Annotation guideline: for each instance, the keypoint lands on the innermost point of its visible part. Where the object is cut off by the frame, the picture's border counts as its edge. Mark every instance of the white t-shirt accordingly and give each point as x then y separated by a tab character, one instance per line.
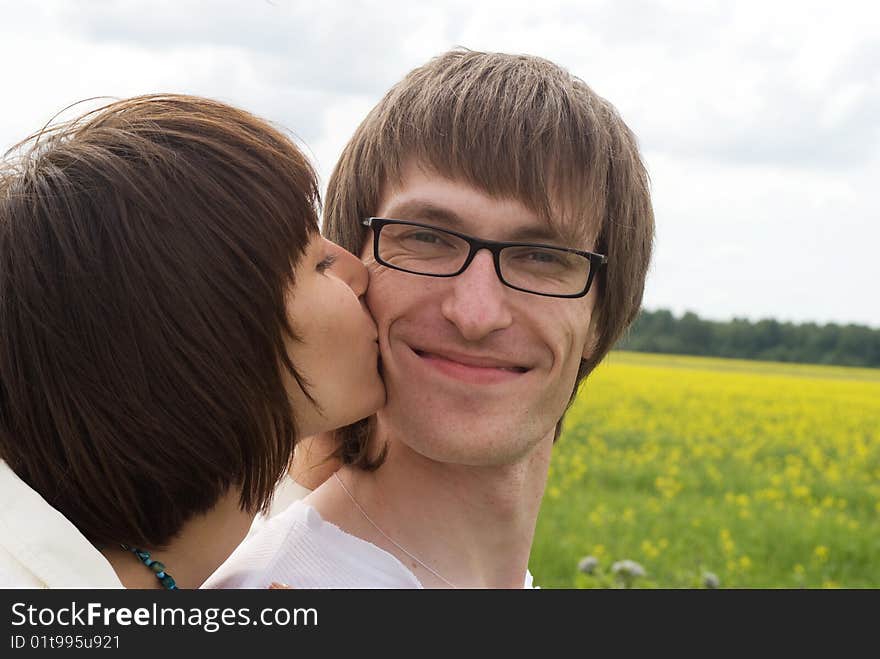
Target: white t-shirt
287	491
299	549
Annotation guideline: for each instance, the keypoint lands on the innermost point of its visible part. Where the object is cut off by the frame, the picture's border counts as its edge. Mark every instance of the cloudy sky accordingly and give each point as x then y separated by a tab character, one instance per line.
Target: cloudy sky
759	121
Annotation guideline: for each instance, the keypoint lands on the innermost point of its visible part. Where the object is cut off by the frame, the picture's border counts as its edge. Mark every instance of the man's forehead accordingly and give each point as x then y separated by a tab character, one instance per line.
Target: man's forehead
521	223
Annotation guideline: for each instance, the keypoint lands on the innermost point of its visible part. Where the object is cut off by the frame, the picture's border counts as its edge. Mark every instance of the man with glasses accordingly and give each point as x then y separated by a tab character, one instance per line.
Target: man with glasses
503	211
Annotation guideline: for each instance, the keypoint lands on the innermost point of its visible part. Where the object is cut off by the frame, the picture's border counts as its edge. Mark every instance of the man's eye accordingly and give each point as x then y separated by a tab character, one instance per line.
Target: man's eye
542	257
325	263
426	237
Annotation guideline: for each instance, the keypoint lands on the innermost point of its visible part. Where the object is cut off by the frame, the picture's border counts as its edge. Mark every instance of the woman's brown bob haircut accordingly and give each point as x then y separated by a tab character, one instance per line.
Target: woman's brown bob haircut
145	252
514	126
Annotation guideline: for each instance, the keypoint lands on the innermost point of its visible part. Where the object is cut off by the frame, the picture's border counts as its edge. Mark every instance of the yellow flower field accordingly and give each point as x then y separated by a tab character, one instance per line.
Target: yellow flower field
711	472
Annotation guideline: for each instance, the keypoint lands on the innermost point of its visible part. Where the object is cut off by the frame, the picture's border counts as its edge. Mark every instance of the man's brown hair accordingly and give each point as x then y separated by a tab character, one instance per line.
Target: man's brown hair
146	249
514	126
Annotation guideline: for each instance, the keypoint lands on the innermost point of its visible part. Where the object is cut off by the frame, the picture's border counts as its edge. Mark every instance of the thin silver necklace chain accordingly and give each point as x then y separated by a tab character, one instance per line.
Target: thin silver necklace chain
389	538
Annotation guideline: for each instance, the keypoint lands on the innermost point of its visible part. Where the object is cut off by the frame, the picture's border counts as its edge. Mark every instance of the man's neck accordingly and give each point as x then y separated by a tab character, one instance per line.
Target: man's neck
202	545
474	526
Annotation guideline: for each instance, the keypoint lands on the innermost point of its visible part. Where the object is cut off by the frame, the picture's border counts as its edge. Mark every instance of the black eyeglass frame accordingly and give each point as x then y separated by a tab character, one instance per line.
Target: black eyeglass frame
475	245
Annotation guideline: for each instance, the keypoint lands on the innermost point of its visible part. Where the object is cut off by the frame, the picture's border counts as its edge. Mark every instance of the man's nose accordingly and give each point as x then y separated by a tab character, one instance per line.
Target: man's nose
477	301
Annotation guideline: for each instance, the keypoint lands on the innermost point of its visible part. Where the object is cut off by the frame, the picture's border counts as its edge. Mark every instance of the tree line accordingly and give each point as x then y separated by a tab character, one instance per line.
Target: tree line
842	345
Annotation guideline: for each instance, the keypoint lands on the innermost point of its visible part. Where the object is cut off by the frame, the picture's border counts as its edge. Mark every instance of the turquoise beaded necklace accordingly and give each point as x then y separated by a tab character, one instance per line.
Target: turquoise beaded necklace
158	568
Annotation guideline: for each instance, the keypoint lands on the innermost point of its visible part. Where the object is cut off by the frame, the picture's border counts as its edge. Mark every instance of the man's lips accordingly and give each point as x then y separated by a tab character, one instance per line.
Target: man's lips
473	362
471	368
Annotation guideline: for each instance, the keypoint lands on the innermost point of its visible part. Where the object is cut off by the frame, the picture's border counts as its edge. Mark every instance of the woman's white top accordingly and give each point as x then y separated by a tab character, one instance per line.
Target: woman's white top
40	548
299	549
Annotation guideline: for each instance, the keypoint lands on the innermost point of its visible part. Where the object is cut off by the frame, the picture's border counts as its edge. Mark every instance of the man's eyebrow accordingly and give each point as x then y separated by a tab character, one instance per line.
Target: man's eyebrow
539	234
424	211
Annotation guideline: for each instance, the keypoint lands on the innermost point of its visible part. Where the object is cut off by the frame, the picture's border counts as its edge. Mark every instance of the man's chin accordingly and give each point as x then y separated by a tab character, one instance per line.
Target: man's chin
471	441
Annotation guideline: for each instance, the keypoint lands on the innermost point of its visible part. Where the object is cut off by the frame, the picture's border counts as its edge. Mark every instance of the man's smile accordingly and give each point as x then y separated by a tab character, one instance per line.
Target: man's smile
470	368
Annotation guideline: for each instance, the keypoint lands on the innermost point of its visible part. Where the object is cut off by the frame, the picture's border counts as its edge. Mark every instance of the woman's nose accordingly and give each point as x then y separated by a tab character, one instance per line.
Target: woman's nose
351	270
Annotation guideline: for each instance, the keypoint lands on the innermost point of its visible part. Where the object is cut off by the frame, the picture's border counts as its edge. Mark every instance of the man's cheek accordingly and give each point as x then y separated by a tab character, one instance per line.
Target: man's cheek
379	274
367	250
386	301
374	270
572	344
